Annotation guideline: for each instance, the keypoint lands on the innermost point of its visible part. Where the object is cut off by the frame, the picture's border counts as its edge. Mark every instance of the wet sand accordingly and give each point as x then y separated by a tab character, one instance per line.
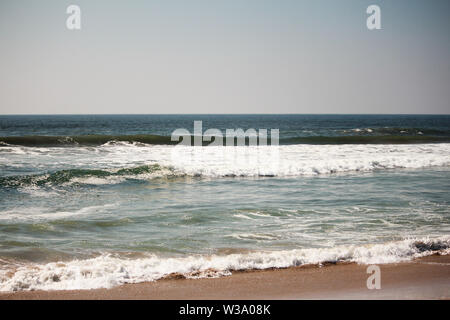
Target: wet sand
426	278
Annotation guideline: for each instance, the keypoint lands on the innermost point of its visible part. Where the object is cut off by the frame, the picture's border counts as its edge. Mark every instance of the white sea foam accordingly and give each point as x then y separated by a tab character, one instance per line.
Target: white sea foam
107	270
242	216
299	160
281	161
254	236
40	213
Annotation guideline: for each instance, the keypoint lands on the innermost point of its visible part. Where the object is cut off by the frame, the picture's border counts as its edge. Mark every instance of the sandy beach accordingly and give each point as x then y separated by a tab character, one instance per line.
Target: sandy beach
425	278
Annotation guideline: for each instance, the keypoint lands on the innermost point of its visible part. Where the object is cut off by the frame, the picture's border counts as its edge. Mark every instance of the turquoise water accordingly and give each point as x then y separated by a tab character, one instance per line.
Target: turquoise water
87	215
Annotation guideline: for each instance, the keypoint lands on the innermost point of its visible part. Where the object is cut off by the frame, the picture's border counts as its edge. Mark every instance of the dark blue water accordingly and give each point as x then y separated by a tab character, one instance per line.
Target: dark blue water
289	125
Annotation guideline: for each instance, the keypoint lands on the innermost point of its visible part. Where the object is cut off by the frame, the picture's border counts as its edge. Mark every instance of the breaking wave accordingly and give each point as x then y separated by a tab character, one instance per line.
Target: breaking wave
216	162
109	270
86	176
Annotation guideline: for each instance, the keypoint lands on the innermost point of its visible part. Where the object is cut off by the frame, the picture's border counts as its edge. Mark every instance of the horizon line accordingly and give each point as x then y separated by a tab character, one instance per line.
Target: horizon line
218	114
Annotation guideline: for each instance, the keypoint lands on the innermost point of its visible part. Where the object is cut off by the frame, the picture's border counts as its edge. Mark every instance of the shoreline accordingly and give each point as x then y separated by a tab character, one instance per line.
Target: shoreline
423	278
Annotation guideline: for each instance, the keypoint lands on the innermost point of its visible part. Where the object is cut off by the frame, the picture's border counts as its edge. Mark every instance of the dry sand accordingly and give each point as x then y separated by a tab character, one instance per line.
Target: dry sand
426	278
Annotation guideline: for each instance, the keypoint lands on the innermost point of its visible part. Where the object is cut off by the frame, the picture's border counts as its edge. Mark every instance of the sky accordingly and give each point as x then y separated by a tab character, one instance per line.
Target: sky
227	56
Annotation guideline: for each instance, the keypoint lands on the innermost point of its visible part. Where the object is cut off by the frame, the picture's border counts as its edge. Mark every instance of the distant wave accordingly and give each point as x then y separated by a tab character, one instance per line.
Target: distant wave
96	140
397	131
109	270
366	139
84	140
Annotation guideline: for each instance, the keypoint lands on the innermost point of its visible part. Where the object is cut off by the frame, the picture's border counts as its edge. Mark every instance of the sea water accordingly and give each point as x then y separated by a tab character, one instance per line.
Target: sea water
91	201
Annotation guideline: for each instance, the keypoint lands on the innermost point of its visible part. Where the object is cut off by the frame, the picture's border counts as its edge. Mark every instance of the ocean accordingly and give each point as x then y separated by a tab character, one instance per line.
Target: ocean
95	201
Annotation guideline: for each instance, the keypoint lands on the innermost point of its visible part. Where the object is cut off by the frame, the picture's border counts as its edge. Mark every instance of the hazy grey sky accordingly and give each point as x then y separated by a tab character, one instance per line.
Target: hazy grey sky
228	56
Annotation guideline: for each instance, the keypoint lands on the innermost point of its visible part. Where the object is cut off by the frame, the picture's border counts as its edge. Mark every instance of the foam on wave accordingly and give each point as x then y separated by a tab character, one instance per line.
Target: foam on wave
108	270
214	162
